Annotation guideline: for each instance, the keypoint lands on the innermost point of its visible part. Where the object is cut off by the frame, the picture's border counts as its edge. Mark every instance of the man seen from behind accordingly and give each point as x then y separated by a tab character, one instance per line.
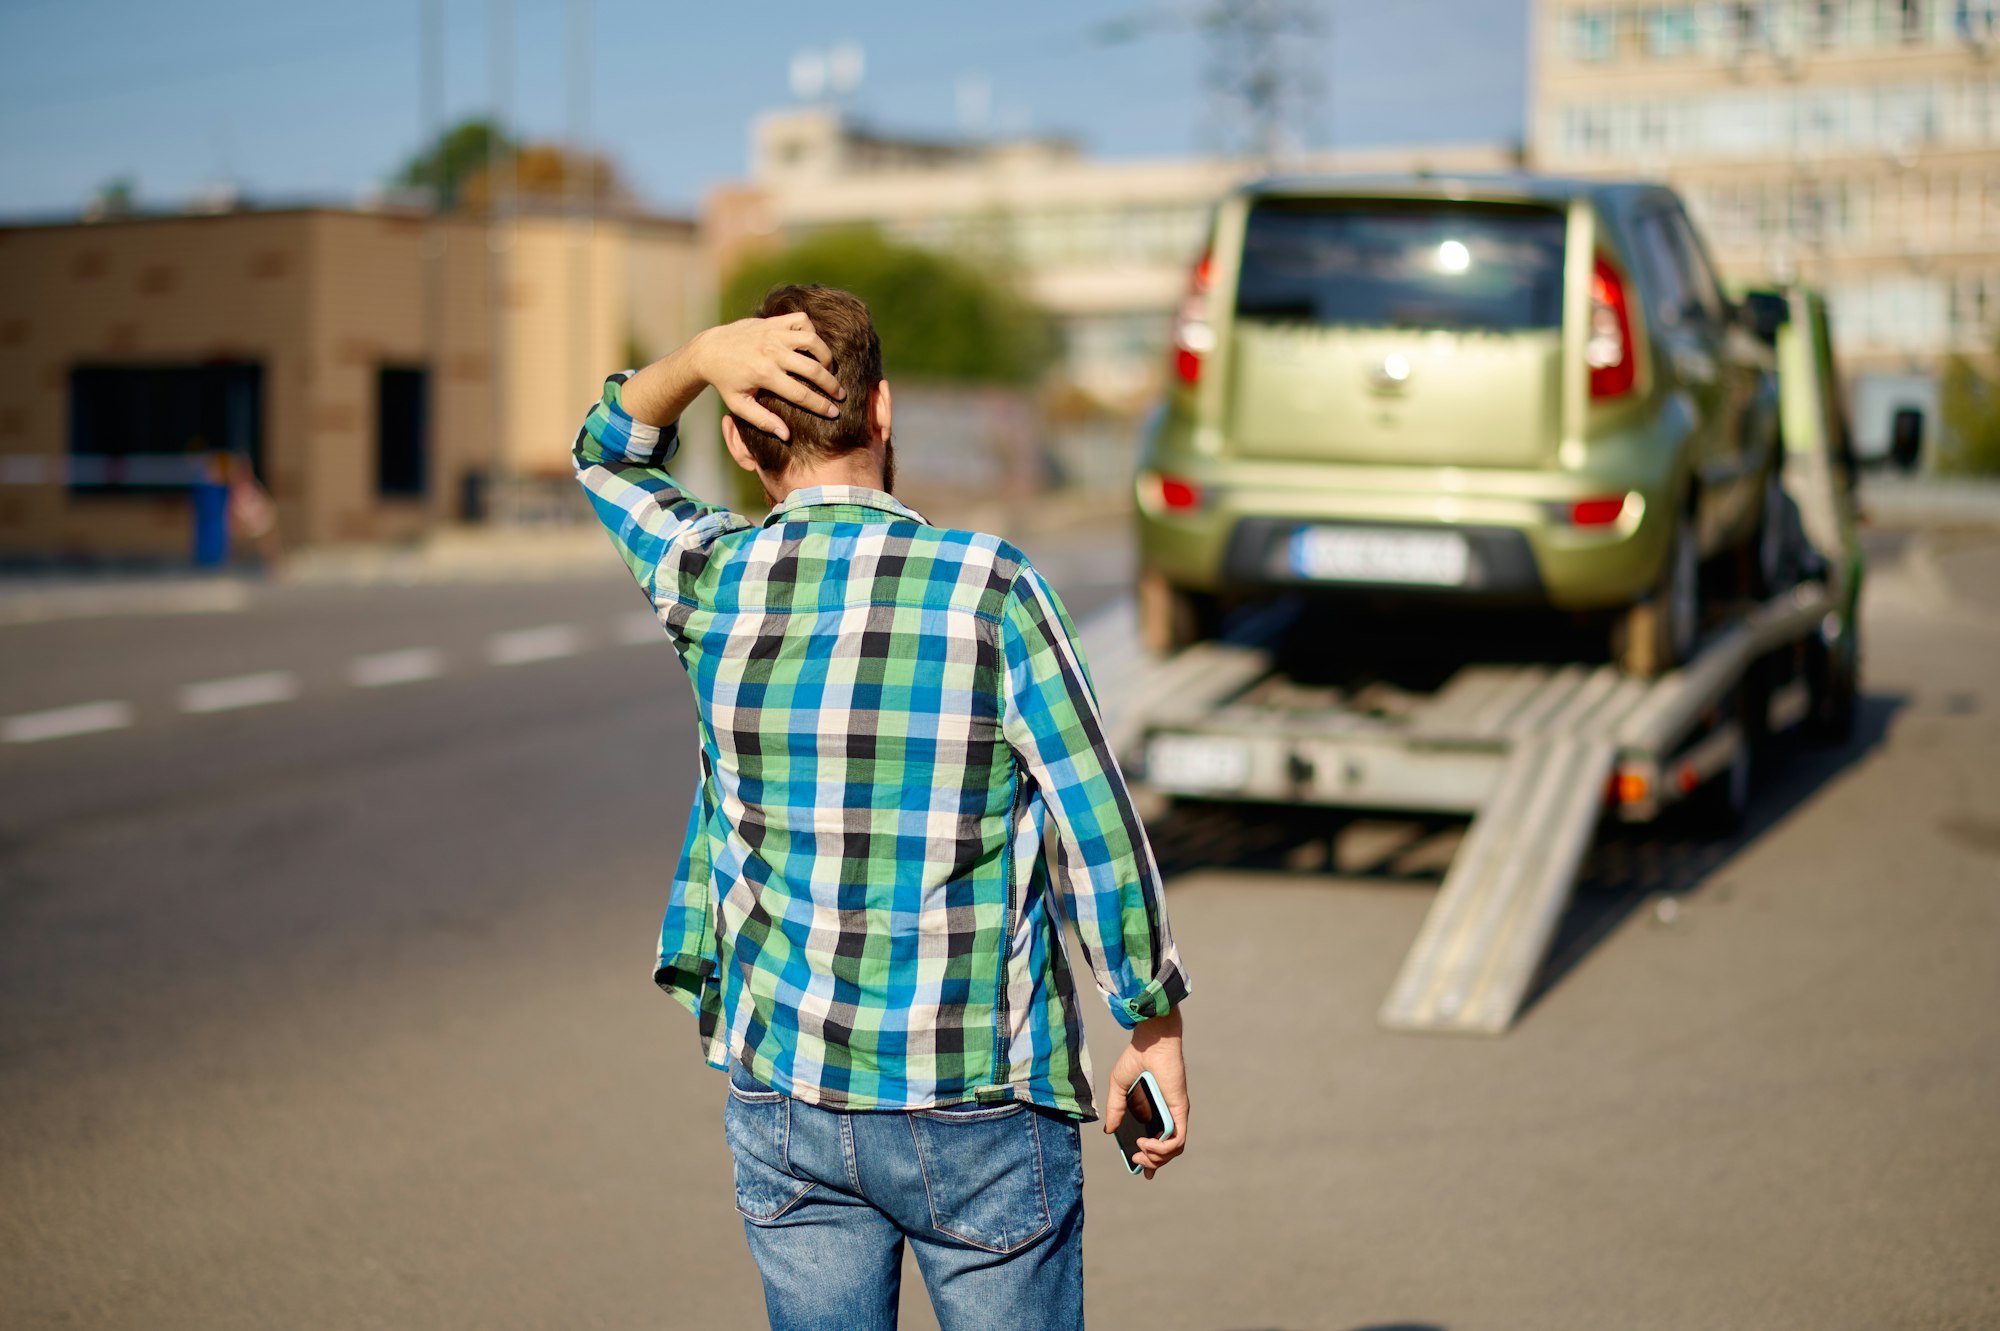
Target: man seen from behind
905	793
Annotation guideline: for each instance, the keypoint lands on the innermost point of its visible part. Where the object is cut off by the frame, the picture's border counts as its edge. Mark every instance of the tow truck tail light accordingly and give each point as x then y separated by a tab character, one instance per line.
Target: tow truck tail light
1194	338
1608	349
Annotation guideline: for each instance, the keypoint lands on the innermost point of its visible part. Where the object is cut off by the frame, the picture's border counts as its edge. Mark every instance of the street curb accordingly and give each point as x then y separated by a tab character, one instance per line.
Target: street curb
480	555
1923	501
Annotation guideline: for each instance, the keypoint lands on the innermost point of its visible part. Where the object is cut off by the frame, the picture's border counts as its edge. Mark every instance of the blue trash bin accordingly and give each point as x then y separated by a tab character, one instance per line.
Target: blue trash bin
211	514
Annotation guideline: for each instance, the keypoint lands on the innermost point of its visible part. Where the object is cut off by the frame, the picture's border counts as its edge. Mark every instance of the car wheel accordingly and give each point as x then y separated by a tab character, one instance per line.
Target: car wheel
1171	618
1659	632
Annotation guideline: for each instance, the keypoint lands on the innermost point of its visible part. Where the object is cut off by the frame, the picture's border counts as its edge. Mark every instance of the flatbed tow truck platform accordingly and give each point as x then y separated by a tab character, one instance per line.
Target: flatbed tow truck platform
1535	754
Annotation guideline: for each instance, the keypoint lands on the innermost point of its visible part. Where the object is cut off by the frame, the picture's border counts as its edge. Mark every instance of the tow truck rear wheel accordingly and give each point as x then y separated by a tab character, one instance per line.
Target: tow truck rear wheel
1658	633
1771	560
1720	806
1833	674
1171	617
1718	810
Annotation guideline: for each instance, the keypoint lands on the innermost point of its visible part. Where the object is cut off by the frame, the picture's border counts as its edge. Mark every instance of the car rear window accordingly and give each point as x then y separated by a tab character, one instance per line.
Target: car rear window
1394	264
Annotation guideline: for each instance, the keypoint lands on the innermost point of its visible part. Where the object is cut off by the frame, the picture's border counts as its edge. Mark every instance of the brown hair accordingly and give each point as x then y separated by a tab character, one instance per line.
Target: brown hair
841	319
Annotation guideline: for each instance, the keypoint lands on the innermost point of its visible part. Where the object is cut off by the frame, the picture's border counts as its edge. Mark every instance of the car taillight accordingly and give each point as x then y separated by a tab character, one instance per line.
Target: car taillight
1187	365
1193	337
1597	512
1172	494
1608	349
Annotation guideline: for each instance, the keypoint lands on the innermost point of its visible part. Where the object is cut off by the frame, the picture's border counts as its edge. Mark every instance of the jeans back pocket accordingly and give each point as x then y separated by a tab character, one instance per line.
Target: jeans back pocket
983	1174
757	1122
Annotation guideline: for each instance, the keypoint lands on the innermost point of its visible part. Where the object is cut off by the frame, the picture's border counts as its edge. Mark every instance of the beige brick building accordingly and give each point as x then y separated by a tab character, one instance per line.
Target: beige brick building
1853	144
368	363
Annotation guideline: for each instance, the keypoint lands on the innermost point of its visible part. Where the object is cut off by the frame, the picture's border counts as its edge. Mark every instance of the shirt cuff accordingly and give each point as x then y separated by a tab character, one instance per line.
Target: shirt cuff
639	444
1157	999
684	977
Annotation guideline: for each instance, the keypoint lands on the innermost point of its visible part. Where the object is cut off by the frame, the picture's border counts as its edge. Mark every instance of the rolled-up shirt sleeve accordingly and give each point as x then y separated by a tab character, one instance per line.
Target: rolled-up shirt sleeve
1105	870
622	465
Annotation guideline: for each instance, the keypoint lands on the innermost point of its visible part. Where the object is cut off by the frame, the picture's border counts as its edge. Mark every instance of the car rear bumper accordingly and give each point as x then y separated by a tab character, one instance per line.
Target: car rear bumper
1500	566
1523	549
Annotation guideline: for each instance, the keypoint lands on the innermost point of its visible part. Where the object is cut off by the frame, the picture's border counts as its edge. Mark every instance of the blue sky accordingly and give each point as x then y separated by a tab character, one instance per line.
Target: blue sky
295	101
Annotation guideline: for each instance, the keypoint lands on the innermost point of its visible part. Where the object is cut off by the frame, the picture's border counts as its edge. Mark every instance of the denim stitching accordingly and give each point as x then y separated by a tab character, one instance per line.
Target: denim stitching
847	1152
1042	1177
784	1156
984	1114
765	1220
923	1166
755	1097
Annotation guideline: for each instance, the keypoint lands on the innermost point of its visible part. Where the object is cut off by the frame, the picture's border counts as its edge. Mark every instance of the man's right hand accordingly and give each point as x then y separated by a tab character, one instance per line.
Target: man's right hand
1155	1048
781	355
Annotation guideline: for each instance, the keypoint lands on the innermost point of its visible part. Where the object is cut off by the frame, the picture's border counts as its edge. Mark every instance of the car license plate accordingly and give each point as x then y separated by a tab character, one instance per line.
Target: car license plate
1197	762
1370	554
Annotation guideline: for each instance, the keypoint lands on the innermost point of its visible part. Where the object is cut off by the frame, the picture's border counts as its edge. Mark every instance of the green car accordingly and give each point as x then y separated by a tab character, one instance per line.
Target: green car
1503	391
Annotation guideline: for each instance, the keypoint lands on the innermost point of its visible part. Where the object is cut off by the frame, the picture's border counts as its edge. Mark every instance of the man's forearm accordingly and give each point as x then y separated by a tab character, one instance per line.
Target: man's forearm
659	393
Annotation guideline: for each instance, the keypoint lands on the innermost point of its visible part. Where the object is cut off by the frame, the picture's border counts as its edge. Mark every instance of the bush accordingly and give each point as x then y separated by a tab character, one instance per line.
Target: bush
939	318
1971	411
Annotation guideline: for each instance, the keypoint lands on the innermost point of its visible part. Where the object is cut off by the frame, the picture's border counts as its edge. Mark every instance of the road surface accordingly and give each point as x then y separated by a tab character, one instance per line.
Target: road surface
325	949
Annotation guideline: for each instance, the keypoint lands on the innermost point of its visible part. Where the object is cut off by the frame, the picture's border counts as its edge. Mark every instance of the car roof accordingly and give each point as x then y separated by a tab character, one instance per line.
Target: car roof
1507	187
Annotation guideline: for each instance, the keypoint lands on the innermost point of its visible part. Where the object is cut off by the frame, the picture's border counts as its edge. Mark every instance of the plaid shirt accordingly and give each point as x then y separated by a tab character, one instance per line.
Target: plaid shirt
892	715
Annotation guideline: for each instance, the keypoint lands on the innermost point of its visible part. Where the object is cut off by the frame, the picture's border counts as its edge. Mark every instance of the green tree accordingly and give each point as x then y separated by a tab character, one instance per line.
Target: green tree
460	153
939	317
1971	411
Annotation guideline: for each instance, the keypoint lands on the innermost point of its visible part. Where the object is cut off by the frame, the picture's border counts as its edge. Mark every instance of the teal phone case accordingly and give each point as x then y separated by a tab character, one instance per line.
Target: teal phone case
1166	1128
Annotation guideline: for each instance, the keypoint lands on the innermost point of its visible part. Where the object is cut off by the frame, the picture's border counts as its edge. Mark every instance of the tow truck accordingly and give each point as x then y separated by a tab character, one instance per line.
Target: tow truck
1536	754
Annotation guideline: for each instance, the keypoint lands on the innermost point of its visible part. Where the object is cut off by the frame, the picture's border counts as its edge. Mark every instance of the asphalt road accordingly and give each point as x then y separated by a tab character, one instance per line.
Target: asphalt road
330	1007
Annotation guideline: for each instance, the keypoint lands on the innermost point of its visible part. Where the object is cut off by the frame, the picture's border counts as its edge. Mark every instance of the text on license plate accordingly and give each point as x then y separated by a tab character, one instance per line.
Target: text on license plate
1365	554
1197	763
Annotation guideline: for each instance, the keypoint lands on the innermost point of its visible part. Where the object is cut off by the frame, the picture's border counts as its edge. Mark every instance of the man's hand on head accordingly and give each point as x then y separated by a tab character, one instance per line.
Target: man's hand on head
780	355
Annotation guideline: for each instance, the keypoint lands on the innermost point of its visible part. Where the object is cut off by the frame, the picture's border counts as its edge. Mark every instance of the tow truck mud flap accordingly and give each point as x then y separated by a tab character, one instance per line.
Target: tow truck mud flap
1492	922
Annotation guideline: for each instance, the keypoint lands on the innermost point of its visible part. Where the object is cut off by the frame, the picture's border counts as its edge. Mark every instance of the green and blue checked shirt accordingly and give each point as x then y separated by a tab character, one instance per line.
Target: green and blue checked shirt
905	792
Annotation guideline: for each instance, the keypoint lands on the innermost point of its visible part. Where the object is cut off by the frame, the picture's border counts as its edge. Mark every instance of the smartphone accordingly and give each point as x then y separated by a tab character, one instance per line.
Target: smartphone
1146	1115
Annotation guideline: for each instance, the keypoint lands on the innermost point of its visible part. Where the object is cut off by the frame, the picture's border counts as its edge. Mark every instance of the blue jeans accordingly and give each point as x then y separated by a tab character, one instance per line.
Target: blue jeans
990	1198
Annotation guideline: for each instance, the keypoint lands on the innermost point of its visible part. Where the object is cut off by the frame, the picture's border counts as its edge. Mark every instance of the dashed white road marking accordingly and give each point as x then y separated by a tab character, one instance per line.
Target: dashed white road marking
398	667
375	670
538	644
638	629
223	695
84	718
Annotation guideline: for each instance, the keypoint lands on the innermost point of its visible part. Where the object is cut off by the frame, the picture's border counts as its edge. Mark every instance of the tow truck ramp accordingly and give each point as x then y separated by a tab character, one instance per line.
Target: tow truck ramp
1534	753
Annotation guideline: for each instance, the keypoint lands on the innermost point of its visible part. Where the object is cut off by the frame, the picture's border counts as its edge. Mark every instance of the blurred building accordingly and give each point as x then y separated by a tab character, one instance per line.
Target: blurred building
1854	144
1105	246
381	371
